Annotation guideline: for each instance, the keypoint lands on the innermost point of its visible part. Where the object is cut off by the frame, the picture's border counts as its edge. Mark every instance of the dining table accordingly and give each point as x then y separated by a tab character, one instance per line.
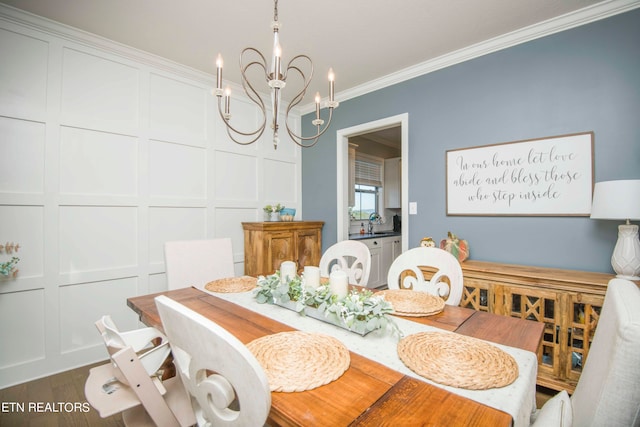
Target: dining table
376	389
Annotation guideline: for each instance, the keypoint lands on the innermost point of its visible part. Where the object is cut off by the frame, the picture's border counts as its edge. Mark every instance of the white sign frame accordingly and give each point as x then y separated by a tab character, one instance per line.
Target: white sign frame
551	176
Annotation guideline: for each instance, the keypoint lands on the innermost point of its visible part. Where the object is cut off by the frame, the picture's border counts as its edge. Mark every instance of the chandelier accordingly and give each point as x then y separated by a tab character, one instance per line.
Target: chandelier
276	79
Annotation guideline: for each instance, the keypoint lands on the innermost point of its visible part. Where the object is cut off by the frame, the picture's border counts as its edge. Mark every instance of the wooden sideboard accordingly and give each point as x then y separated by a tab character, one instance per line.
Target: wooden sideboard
267	244
568	302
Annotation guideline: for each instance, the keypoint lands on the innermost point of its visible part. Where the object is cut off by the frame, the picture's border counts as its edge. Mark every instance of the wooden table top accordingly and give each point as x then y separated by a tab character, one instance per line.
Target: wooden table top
368	393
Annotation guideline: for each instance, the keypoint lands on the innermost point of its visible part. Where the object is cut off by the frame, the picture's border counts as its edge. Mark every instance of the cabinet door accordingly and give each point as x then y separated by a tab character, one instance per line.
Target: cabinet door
582	319
392	181
279	246
308	248
397	248
386	258
375	277
475	295
538	306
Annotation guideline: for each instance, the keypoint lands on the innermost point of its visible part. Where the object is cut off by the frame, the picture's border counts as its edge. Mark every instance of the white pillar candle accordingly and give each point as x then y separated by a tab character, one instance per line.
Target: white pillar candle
311	276
287	271
339	283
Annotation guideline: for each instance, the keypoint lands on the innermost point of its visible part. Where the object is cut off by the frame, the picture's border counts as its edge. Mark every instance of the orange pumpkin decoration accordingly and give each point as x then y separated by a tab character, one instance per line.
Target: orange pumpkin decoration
457	247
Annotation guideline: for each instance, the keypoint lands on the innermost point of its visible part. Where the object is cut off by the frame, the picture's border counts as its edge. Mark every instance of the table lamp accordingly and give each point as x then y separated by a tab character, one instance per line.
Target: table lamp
621	200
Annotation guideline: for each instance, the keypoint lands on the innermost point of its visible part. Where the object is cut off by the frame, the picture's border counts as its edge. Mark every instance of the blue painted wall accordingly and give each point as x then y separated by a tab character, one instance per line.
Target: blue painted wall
583	79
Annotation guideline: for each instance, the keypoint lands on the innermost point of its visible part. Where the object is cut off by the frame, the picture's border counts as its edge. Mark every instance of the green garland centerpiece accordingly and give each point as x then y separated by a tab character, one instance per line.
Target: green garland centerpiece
361	311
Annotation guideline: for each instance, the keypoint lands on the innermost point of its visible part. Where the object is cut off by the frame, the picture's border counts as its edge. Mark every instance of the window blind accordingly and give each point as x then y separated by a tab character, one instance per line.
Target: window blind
368	171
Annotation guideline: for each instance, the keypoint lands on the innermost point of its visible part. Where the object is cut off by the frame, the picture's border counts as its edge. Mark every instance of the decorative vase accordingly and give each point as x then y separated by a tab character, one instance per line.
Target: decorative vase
274	216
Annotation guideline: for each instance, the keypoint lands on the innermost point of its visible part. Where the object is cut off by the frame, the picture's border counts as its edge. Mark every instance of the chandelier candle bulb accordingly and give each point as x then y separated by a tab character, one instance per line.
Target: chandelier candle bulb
277	54
311	276
287	271
219	72
332	78
317	105
227	101
339	283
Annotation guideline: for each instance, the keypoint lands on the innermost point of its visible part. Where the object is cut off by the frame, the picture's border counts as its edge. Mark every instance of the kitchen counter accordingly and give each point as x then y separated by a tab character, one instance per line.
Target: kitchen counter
376	235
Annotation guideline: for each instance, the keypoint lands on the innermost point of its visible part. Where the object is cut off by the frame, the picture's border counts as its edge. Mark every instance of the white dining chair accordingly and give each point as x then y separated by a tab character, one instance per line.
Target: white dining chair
446	282
350	256
227	384
608	391
197	262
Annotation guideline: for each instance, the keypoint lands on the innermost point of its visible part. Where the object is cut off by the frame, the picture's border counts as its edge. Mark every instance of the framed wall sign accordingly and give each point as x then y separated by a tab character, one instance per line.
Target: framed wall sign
548	176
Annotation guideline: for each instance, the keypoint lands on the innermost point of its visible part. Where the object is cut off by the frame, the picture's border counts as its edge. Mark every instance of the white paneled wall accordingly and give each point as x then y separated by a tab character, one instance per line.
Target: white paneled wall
105	154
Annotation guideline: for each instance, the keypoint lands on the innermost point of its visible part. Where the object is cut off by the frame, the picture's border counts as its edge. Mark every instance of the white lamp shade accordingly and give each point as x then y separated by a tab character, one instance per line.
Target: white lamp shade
616	200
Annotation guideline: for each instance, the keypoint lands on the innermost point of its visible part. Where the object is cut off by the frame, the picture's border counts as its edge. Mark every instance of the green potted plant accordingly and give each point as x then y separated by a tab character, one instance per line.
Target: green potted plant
272	212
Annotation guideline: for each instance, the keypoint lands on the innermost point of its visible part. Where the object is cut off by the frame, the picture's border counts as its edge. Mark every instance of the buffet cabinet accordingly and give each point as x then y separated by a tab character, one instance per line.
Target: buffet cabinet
568	302
268	244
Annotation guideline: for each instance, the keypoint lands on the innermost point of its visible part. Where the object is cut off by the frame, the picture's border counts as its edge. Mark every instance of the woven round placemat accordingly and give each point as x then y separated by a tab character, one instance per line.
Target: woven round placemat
232	284
299	361
406	302
457	360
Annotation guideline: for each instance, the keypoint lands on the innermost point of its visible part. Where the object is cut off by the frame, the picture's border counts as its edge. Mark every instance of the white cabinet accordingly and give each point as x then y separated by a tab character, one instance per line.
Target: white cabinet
384	251
392	183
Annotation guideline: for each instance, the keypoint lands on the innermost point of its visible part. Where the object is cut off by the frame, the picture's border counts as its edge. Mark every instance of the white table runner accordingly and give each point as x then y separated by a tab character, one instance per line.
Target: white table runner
517	399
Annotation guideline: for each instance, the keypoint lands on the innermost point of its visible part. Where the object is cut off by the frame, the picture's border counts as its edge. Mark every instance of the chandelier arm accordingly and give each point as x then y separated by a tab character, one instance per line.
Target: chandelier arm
258	132
253	95
291	65
300	95
298	139
256	98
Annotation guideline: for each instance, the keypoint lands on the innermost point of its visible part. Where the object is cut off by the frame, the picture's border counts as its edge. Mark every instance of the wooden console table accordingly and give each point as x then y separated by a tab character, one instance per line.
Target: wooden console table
567	302
267	244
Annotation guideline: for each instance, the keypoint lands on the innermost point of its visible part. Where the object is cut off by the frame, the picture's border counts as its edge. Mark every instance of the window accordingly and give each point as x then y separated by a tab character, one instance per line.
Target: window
366	202
368	170
368	182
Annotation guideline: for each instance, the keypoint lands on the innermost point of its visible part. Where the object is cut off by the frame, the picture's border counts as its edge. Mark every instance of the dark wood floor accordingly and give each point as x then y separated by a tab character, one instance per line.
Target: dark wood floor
68	387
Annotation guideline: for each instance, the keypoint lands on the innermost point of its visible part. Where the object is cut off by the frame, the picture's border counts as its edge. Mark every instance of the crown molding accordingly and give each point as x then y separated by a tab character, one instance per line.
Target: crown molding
555	25
79	37
562	23
38	24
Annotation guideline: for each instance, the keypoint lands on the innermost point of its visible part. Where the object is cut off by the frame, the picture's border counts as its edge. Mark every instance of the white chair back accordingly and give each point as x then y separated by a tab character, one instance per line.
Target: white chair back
201	347
197	262
608	391
445	264
350	256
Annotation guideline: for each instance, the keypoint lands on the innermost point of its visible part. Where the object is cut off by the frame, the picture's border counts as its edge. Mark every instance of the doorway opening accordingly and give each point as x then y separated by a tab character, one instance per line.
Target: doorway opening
344	136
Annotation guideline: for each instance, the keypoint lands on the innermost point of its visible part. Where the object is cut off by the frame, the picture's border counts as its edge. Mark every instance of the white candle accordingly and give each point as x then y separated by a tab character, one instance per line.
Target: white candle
311	276
339	283
287	271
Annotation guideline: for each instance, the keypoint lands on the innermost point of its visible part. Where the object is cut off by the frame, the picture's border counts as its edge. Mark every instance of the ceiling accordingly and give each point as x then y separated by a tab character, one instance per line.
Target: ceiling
363	40
383	143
